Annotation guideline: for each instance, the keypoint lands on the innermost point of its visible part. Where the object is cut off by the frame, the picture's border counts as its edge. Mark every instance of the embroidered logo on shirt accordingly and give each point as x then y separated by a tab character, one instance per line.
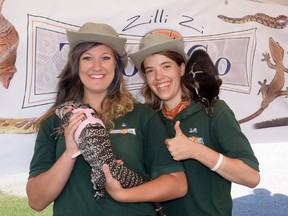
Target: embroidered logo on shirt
193	130
194	138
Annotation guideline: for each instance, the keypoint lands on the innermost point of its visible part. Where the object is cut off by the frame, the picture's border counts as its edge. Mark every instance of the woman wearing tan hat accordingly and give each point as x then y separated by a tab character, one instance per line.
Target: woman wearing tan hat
94	75
213	150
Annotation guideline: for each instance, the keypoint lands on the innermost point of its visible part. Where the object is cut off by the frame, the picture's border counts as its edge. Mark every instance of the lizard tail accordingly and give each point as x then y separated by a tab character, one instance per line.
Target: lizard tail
254	115
260	110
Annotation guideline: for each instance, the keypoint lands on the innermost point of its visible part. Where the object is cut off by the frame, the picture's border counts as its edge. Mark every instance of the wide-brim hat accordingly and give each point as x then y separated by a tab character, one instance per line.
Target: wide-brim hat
157	42
101	33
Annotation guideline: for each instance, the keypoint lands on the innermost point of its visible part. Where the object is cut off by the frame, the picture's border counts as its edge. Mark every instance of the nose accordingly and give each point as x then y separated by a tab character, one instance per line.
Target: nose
158	74
96	64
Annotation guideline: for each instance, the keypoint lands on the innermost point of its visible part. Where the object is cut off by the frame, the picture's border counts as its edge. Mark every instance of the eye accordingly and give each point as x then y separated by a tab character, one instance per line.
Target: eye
106	58
148	70
85	57
166	66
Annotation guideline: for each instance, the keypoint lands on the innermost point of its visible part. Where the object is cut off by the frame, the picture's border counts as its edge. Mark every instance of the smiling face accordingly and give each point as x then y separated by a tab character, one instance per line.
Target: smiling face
97	69
164	77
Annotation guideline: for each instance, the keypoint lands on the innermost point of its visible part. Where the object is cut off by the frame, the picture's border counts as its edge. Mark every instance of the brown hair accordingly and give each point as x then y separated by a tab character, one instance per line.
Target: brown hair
118	100
150	98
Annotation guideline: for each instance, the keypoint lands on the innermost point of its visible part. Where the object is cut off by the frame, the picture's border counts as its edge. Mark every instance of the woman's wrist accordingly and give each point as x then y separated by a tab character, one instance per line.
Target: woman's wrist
72	153
218	164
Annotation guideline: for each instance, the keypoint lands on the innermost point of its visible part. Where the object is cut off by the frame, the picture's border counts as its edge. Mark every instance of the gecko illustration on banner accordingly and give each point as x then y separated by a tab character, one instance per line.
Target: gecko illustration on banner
274	89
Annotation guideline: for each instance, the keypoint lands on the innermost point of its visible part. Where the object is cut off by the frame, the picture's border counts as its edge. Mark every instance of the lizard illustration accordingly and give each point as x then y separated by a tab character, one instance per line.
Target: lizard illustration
272	123
274	89
18	126
94	145
9	40
202	79
278	22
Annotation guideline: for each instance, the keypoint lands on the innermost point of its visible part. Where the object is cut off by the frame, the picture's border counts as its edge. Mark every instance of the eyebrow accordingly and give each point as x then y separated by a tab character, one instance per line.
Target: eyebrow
166	62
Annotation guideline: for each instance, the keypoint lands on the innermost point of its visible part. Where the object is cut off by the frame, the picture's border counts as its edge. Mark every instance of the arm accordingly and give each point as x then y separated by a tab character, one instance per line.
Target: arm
152	159
234	170
45	188
163	188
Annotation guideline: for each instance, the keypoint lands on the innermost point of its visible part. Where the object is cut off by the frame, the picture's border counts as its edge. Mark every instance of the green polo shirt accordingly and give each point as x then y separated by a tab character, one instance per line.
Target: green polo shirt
209	194
137	139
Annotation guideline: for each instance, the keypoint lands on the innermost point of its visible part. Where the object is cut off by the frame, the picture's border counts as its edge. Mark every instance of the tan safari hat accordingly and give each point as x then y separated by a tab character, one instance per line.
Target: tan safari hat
156	42
101	33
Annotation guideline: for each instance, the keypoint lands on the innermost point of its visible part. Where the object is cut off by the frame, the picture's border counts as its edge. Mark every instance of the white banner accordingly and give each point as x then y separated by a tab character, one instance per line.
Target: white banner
237	49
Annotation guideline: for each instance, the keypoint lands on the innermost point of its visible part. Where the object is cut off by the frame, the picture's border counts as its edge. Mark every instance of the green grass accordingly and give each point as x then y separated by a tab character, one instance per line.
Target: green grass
18	206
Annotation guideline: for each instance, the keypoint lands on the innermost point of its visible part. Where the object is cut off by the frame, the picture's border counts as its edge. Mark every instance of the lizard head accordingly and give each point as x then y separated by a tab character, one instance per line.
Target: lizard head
62	109
277	52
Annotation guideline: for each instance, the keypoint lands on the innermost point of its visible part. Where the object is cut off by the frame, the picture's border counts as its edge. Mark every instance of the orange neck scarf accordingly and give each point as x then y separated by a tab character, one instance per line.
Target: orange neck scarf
171	114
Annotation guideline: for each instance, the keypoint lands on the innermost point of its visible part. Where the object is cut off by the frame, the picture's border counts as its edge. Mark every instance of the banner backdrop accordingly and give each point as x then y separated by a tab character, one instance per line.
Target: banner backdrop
247	40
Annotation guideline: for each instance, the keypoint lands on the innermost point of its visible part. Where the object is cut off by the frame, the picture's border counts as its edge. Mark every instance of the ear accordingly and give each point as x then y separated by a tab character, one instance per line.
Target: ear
182	69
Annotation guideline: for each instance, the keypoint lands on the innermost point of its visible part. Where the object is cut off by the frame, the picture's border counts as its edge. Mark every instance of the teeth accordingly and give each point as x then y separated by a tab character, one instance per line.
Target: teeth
162	85
97	76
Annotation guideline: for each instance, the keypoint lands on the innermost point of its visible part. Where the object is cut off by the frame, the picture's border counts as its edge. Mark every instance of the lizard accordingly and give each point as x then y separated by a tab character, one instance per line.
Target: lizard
18	125
278	22
274	89
94	144
202	79
277	122
9	40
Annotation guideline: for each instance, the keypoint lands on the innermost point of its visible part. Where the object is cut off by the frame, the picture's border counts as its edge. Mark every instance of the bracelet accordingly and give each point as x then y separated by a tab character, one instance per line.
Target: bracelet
219	162
76	154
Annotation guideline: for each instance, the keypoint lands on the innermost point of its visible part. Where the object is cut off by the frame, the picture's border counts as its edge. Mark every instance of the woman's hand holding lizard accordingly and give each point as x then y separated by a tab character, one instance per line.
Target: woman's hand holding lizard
112	186
74	122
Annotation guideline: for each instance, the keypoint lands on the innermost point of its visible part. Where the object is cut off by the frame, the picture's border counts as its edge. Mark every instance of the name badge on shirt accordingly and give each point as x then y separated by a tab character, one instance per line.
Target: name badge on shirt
124	131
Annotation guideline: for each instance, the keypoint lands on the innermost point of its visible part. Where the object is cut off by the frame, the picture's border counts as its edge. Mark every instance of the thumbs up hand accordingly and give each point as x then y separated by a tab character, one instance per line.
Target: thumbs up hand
180	147
178	131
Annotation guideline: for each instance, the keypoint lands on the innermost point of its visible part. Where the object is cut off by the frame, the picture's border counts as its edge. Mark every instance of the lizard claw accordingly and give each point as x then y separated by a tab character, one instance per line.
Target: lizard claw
263	87
266	56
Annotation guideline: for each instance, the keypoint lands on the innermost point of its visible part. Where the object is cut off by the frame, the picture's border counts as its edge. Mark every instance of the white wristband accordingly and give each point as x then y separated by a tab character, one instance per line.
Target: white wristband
76	154
219	162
